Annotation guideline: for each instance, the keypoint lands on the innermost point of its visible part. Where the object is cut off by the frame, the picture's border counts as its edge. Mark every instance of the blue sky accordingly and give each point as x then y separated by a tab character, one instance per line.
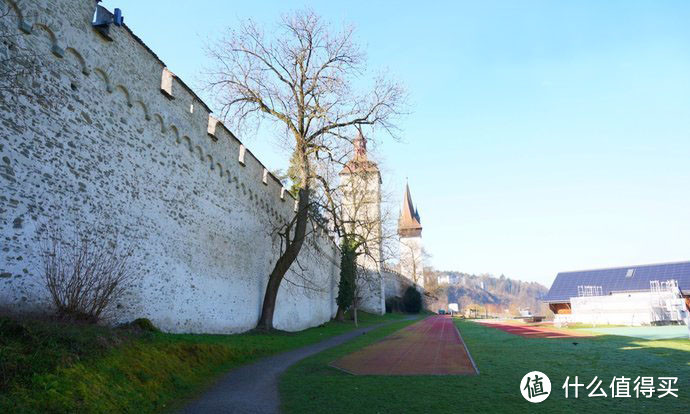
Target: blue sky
544	135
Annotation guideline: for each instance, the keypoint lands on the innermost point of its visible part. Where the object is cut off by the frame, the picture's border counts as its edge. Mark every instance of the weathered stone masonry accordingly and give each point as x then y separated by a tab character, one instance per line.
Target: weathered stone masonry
106	134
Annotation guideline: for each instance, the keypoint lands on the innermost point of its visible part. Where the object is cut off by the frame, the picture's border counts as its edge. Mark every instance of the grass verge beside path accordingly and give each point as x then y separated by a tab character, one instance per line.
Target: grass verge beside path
503	359
48	367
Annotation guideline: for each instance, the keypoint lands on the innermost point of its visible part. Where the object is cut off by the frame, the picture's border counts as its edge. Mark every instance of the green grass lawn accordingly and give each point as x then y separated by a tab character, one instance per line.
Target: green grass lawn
503	359
51	367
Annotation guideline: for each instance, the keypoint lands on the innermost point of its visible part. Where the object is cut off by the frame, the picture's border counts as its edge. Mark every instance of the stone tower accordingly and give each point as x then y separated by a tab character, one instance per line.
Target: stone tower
410	232
361	181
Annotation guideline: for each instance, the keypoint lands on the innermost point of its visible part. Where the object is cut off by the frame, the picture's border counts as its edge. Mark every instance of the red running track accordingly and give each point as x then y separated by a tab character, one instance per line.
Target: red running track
535	331
429	347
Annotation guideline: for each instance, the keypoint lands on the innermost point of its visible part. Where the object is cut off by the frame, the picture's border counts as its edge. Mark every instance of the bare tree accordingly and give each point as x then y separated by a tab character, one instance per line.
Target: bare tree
435	294
303	79
365	284
85	275
16	61
412	260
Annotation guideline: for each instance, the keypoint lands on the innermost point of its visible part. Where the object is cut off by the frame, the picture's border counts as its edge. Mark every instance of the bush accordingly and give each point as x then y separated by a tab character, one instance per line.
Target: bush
394	304
412	300
84	276
142	324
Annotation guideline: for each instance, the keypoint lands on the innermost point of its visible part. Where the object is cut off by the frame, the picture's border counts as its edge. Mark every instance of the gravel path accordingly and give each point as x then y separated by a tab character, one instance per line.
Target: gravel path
254	388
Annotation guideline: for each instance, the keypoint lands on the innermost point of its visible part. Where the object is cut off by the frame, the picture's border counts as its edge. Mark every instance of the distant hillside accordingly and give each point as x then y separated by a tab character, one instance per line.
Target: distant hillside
490	294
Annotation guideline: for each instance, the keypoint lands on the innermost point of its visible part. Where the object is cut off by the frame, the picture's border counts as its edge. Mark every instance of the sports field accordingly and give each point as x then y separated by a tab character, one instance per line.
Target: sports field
535	331
644	332
547	330
503	359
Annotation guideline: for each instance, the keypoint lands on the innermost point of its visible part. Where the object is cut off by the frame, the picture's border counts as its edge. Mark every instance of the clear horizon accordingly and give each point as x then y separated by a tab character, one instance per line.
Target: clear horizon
544	136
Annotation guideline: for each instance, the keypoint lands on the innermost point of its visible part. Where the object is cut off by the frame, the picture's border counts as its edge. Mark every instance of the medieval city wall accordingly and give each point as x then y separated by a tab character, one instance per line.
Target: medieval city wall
396	284
371	291
104	137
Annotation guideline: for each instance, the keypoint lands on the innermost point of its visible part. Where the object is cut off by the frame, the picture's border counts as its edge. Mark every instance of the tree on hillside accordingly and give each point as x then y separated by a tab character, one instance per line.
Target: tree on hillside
436	296
302	77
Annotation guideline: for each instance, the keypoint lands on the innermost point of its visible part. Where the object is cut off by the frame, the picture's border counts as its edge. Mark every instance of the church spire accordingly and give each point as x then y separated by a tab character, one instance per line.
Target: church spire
409	224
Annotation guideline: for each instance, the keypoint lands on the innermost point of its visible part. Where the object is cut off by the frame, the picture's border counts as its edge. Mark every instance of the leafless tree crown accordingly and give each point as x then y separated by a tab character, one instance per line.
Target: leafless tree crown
303	77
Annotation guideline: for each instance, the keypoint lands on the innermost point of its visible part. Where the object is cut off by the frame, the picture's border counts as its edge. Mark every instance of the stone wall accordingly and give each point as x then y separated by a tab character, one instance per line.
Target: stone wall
396	284
105	134
371	291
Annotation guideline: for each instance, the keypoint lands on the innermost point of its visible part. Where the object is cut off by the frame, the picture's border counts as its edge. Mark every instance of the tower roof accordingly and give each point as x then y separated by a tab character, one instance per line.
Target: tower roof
409	222
360	162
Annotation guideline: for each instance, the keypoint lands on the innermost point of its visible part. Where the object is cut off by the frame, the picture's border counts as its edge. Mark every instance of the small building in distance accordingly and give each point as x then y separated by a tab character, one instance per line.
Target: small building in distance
631	295
449	279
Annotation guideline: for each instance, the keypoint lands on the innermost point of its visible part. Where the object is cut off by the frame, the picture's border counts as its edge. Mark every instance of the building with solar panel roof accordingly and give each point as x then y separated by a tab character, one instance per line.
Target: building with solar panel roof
631	295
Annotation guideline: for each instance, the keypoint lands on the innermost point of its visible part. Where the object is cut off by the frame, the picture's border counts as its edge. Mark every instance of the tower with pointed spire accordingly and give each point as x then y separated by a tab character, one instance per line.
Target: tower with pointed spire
410	232
360	180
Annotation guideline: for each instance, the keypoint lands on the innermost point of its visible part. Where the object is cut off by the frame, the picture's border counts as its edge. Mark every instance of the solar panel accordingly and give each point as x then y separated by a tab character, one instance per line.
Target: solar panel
618	279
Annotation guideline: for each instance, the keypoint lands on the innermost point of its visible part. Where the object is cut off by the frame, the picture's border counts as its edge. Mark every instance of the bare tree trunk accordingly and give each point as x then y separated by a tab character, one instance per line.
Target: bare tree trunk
284	262
340	315
355	312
